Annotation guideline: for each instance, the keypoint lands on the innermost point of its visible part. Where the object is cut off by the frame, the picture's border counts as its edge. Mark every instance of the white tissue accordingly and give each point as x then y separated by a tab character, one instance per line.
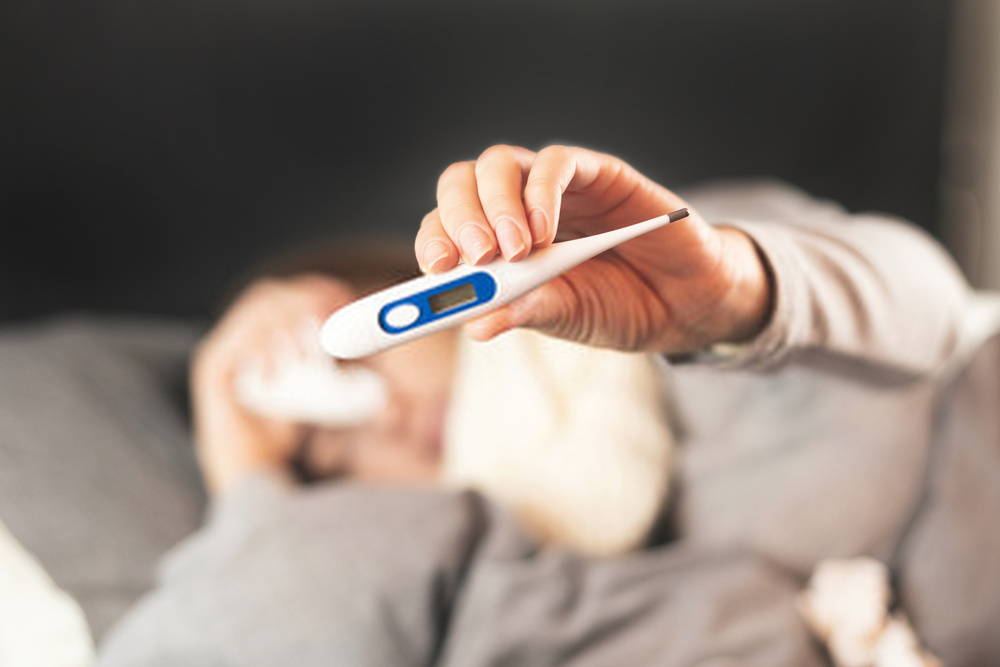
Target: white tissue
310	387
847	607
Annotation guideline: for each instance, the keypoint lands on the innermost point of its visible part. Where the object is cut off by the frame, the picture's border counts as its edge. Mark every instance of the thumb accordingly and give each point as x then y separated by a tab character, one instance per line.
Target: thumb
546	308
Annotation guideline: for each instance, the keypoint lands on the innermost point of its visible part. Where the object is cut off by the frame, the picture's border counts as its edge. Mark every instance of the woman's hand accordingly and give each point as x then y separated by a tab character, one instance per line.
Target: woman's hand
267	317
672	290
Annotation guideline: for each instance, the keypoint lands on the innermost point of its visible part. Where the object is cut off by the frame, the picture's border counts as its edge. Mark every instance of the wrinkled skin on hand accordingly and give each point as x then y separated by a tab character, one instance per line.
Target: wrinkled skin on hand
675	289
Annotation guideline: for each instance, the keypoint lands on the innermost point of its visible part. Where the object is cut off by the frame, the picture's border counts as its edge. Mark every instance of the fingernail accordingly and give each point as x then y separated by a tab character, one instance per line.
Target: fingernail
511	241
539	225
475	243
434	253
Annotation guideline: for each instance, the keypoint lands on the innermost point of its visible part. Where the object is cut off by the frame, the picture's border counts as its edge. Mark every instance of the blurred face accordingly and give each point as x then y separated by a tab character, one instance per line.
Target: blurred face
404	442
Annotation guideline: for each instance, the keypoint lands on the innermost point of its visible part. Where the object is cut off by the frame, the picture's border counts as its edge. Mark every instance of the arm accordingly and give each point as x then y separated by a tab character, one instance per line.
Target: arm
232	441
810	278
865	287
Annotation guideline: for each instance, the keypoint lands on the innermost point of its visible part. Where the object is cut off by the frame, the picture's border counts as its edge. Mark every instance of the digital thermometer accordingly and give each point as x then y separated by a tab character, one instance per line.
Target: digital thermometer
430	303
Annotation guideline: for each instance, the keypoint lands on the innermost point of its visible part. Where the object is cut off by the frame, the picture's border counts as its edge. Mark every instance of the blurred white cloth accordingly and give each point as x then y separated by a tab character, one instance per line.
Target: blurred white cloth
40	625
847	606
574	439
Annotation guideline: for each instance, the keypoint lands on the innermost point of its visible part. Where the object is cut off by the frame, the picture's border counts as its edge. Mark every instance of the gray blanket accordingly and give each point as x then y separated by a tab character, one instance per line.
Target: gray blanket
97	480
352	575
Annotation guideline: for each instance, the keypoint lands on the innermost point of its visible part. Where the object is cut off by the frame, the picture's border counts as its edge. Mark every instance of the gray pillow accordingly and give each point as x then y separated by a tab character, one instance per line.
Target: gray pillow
97	475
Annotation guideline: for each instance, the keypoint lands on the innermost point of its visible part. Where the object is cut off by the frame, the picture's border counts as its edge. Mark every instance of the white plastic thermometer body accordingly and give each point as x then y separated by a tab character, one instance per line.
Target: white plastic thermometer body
430	303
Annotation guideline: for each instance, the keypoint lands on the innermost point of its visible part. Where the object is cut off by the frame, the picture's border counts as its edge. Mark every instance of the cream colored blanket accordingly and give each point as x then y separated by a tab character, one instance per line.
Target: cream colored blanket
574	439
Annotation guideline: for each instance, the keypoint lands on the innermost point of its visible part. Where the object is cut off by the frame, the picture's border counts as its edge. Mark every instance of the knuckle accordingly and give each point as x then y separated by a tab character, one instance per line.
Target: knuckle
555	151
496	152
499	203
453	170
428	220
463	212
540	186
427	233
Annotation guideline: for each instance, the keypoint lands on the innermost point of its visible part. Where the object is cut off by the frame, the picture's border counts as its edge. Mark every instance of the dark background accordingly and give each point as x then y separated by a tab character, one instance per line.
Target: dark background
153	151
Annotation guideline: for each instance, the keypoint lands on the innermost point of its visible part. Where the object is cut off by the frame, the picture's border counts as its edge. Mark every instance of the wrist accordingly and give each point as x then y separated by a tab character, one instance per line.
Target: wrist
746	304
241	449
230	441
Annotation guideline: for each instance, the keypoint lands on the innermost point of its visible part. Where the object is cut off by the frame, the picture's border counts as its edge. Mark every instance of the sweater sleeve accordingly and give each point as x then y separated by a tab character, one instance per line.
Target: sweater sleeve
866	288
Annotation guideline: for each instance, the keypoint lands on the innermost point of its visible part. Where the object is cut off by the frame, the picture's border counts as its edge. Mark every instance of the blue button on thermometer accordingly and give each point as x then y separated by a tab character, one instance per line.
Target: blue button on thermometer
424	305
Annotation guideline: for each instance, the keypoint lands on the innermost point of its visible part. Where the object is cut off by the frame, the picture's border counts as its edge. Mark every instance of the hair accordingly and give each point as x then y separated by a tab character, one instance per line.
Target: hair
368	264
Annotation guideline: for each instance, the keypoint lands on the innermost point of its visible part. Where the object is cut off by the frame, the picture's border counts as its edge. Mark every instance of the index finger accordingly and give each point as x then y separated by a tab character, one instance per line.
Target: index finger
557	170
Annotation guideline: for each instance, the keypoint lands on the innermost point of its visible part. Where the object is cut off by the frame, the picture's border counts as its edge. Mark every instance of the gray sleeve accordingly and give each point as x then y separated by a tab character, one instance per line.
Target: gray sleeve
864	288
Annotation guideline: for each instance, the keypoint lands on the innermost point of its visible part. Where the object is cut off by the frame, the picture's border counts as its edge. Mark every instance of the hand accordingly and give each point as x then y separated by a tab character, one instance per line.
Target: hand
267	317
672	290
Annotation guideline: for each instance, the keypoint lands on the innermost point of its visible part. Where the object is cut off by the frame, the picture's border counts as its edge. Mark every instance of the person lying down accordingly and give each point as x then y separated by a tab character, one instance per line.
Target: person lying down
404	416
770	335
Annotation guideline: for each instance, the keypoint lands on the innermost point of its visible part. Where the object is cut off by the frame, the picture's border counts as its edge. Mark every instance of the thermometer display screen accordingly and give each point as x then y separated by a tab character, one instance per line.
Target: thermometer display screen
453	298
